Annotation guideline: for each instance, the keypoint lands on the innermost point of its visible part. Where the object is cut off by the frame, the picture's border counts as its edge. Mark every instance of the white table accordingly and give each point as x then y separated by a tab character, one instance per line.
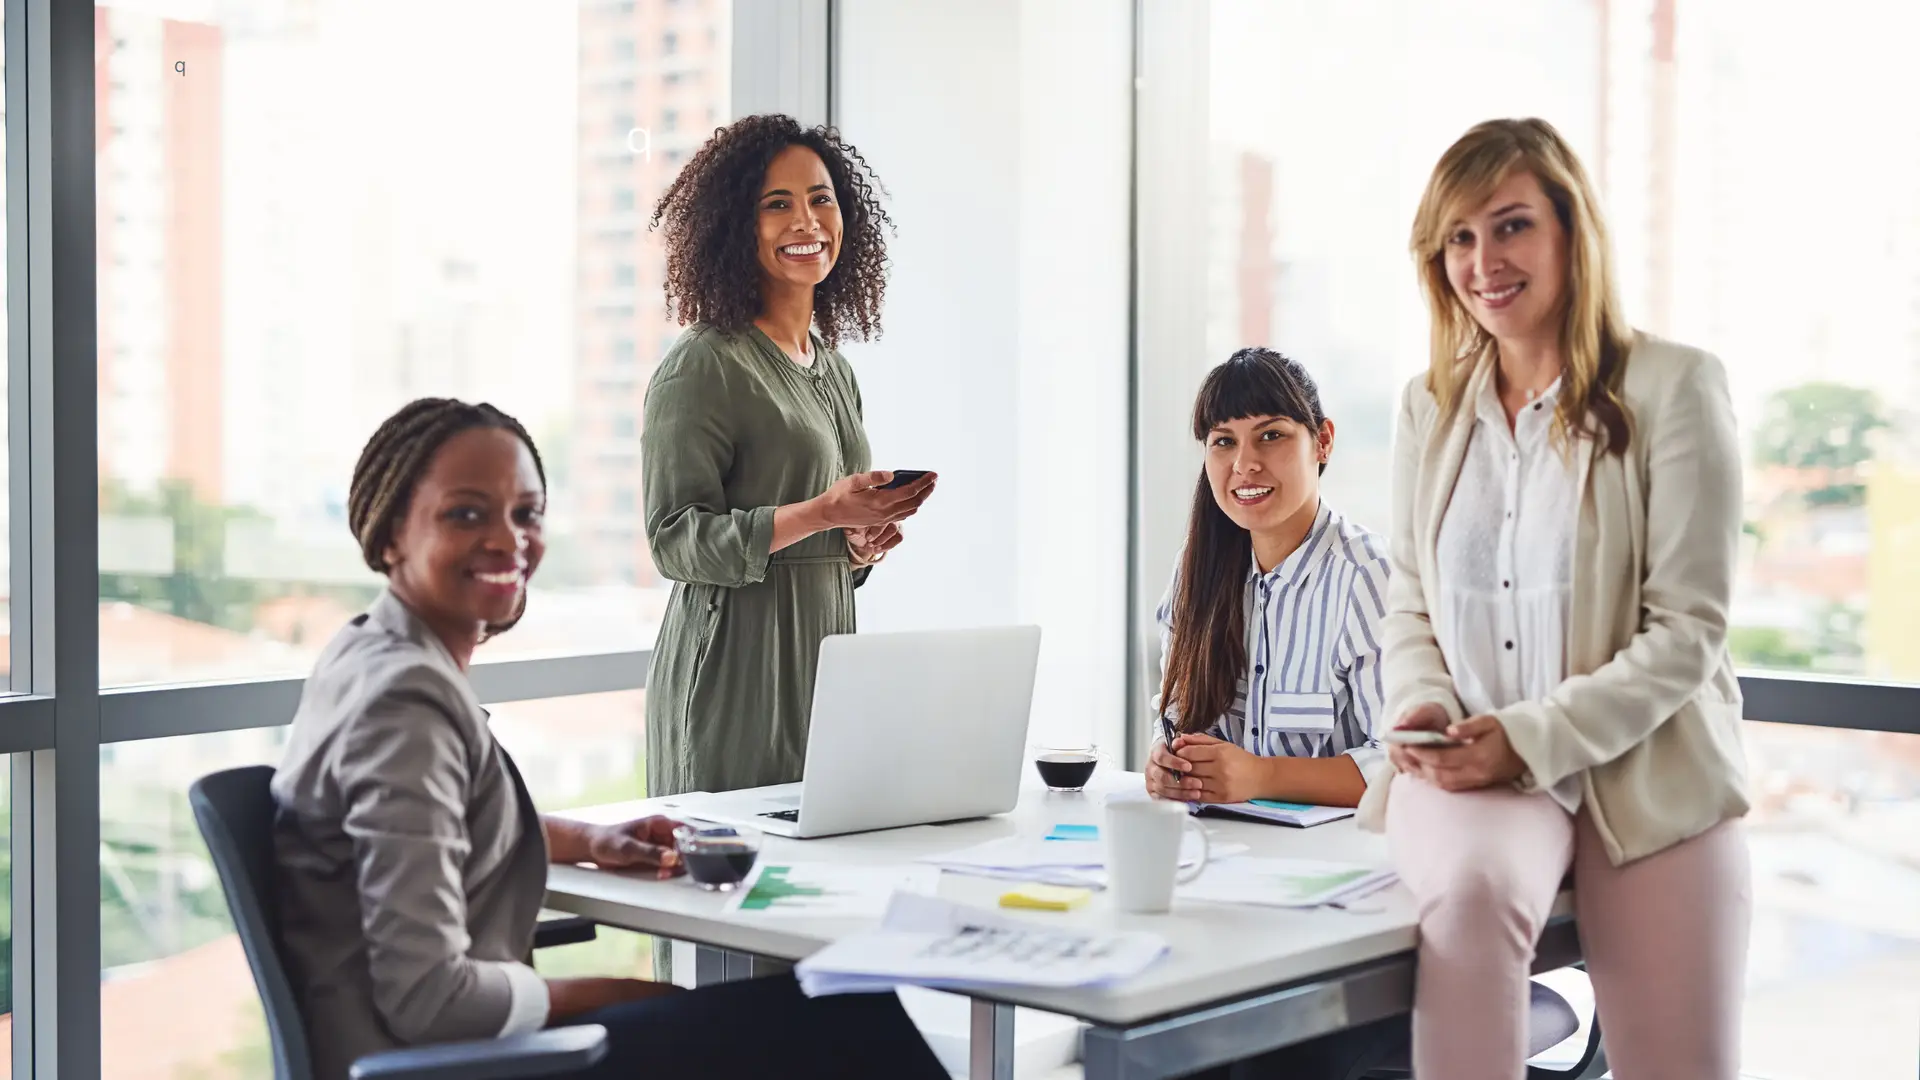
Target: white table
1238	981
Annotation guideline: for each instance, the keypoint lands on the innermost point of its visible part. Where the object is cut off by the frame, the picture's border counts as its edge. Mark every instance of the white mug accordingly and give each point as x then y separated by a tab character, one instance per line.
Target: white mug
1143	852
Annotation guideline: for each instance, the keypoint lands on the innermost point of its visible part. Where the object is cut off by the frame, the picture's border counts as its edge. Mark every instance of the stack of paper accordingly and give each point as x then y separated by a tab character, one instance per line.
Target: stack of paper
1285	882
1053	861
925	941
827	890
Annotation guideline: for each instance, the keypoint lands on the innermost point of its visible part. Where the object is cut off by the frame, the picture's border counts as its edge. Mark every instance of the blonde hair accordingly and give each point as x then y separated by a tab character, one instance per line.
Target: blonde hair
1594	336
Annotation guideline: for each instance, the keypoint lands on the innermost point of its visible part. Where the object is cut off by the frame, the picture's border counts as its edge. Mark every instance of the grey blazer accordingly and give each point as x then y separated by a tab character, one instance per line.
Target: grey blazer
410	861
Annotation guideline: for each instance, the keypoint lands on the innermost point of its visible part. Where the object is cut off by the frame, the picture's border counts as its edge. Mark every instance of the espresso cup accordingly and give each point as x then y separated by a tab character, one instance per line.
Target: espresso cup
1066	766
1143	853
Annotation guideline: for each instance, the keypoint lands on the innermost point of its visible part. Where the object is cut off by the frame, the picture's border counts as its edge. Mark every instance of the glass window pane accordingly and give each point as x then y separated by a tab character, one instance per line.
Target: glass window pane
165	934
283	261
576	751
583	751
165	931
1679	111
1833	981
6	916
6	487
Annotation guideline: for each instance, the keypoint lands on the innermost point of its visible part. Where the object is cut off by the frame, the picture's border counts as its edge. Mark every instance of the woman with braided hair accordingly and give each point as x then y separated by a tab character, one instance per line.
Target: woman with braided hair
410	862
754	463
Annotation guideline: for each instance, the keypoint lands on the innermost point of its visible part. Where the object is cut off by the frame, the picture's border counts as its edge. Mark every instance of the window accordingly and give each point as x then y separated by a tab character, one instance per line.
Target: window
622	351
1678	111
265	293
623	501
669	120
165	932
1695	99
669	43
230	417
6	919
623	426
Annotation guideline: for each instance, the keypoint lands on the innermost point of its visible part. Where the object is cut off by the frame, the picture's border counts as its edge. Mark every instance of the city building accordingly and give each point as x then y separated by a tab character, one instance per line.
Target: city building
159	142
653	84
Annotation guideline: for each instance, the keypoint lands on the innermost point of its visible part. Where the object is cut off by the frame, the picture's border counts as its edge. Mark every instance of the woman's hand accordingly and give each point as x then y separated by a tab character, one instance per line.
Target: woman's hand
859	501
1166	774
1487	758
1428	717
645	844
869	545
1218	771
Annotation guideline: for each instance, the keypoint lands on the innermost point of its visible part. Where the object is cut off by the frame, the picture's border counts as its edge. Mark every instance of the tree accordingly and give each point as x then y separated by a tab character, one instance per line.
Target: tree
1822	427
1819	425
198	588
1767	647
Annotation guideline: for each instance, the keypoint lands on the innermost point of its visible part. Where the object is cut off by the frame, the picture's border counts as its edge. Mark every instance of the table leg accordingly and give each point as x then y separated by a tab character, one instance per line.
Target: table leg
990	1048
714	965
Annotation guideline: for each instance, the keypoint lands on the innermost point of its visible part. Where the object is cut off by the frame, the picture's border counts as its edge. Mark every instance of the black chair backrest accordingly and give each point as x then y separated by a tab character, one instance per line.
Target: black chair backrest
235	810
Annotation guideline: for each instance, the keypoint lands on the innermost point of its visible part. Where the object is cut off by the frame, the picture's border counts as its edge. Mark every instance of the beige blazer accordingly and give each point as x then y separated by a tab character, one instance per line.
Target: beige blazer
1649	716
410	861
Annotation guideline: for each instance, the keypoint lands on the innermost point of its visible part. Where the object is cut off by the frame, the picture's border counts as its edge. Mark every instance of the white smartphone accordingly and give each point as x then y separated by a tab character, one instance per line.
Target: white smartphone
1419	737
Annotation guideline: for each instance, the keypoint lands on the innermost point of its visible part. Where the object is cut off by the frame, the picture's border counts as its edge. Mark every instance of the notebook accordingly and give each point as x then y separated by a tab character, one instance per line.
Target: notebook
1274	812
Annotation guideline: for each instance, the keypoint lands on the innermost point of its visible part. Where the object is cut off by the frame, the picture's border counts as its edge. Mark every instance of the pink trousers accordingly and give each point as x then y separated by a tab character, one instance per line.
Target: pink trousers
1665	937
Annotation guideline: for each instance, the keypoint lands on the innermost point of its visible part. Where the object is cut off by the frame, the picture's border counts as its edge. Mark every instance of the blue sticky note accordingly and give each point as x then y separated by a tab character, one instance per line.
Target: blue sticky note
1272	805
1074	832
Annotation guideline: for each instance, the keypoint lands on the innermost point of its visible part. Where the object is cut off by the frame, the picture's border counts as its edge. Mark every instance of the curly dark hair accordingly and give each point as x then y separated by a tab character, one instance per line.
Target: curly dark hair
710	209
393	461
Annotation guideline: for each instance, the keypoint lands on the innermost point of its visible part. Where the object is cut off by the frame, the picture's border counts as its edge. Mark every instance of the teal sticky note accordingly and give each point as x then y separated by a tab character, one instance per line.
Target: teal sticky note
1074	832
1272	805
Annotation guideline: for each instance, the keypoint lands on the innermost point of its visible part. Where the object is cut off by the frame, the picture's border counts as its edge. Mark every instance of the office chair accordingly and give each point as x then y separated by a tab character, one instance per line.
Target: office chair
1550	1022
235	811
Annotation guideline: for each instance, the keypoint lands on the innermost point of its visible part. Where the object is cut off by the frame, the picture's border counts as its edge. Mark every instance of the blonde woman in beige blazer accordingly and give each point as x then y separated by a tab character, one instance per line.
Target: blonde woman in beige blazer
1567	508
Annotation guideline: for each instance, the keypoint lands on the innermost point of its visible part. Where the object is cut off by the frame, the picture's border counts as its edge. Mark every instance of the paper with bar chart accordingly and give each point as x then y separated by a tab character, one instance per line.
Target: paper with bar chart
828	890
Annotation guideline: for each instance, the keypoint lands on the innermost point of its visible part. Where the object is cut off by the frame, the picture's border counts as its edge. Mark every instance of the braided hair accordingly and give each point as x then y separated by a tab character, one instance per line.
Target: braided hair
394	460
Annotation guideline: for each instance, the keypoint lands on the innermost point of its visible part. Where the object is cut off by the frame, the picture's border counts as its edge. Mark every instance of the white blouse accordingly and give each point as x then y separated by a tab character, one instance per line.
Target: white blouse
1506	553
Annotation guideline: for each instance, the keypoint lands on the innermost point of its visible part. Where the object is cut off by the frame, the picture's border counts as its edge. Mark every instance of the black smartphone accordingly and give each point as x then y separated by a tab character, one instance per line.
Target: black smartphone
903	477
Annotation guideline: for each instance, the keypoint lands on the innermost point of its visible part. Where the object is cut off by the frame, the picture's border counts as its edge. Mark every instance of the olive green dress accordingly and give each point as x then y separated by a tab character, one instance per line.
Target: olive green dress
733	430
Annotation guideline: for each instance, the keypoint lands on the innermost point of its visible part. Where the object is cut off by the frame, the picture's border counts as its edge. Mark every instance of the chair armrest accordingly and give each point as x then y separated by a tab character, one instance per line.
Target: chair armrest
517	1057
1592	1064
571	930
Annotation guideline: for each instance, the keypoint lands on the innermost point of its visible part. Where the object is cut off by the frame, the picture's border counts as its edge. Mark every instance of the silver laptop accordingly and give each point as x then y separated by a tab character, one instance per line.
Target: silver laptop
907	729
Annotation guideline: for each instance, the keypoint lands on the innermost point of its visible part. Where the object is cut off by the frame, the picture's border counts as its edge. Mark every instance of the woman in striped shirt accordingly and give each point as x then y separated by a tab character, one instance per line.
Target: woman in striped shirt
1269	633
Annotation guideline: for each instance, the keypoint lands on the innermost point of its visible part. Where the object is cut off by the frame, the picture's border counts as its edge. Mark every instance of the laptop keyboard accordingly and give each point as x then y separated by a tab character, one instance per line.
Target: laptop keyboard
783	815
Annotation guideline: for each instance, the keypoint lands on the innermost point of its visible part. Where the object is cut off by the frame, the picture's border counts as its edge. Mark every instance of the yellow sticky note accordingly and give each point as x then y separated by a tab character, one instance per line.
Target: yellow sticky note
1045	897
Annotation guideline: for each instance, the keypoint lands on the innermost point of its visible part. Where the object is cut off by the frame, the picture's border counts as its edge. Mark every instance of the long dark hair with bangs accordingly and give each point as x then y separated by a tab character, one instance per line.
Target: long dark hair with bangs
1208	652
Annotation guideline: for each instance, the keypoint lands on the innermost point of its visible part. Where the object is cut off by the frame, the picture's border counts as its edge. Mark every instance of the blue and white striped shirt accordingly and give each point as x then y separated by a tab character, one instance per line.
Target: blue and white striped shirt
1313	648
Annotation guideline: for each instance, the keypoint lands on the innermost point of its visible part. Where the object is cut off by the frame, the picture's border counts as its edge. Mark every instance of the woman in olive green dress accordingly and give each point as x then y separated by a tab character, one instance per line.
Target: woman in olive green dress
759	501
